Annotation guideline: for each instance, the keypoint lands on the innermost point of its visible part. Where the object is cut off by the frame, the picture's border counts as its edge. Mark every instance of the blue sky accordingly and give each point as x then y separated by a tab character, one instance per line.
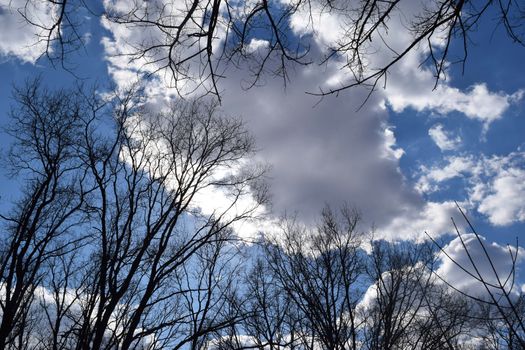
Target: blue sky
496	62
402	159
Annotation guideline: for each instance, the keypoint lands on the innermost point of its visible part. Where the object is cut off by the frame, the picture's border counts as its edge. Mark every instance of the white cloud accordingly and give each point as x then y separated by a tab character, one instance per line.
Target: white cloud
434	218
500	258
499	191
456	166
443	139
476	103
413	85
328	153
496	185
257	44
18	38
391	150
505	200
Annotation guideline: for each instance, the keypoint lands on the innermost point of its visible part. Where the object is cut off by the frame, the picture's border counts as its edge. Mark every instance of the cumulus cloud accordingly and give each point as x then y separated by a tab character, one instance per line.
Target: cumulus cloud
476	103
327	153
324	153
505	199
443	139
455	260
18	38
257	44
434	218
330	152
391	149
456	166
496	185
411	85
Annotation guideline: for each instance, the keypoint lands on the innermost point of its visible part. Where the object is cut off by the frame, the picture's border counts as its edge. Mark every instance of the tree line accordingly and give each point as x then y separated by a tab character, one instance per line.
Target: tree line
106	246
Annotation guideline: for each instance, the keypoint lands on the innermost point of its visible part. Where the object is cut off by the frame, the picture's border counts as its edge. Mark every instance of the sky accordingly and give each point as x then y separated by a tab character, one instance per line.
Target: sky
402	159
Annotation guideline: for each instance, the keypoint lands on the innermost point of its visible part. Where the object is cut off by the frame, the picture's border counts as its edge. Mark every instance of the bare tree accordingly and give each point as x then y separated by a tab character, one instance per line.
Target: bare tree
270	317
149	268
407	306
57	302
147	226
40	226
319	272
325	291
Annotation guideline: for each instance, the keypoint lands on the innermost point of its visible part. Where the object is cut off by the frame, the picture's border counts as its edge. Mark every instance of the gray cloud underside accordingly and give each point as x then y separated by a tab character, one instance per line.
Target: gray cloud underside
324	153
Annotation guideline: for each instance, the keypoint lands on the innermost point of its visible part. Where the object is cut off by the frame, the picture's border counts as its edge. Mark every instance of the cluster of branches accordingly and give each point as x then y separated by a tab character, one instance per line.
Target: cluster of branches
190	40
106	248
320	289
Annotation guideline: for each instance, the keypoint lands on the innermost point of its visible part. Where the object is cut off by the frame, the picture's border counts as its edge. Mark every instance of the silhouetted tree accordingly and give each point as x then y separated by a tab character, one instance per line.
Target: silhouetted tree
148	267
41	226
319	272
